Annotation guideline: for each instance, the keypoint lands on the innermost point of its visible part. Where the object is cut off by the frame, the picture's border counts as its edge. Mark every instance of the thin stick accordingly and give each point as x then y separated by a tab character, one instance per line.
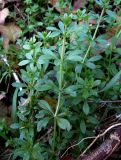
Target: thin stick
100	135
77	144
96	137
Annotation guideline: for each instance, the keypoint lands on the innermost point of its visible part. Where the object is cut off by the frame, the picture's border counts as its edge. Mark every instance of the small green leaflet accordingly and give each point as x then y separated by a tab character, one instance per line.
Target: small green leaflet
24	62
27	47
43	104
49	53
111	14
61	26
83	126
63	123
86	108
15	126
42	124
17	84
95	58
90	65
112	82
14	105
74	58
43	87
52	28
54	34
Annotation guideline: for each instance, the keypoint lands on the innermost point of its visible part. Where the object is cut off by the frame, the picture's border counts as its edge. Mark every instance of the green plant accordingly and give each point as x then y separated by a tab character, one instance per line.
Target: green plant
63	80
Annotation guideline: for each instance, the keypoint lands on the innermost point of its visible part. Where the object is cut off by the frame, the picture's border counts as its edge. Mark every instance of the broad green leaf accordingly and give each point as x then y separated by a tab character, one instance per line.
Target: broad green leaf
83	126
43	104
112	82
63	123
86	108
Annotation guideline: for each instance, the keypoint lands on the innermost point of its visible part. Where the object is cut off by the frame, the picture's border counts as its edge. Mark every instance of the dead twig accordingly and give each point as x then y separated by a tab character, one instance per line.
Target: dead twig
94	137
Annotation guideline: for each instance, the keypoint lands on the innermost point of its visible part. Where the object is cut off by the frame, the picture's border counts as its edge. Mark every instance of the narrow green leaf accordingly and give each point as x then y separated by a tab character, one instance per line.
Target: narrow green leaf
17	84
92	120
90	65
95	58
111	14
52	28
86	108
54	34
43	87
74	58
112	82
61	26
24	62
96	83
14	105
83	126
15	126
26	46
48	52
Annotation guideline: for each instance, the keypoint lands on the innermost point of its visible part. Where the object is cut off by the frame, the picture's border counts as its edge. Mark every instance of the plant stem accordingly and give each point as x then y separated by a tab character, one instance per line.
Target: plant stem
60	88
61	77
87	52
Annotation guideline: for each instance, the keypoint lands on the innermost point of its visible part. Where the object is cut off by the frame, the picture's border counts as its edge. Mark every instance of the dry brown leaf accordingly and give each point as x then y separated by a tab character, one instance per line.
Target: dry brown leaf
10	33
78	4
3	14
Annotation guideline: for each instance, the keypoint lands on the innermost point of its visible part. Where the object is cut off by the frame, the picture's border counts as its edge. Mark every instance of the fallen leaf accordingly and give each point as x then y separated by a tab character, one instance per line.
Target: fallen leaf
78	4
10	33
3	14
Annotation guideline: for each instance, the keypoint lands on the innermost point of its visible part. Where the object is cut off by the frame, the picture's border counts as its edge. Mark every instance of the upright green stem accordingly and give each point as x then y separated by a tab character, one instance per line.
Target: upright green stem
61	76
60	88
87	52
